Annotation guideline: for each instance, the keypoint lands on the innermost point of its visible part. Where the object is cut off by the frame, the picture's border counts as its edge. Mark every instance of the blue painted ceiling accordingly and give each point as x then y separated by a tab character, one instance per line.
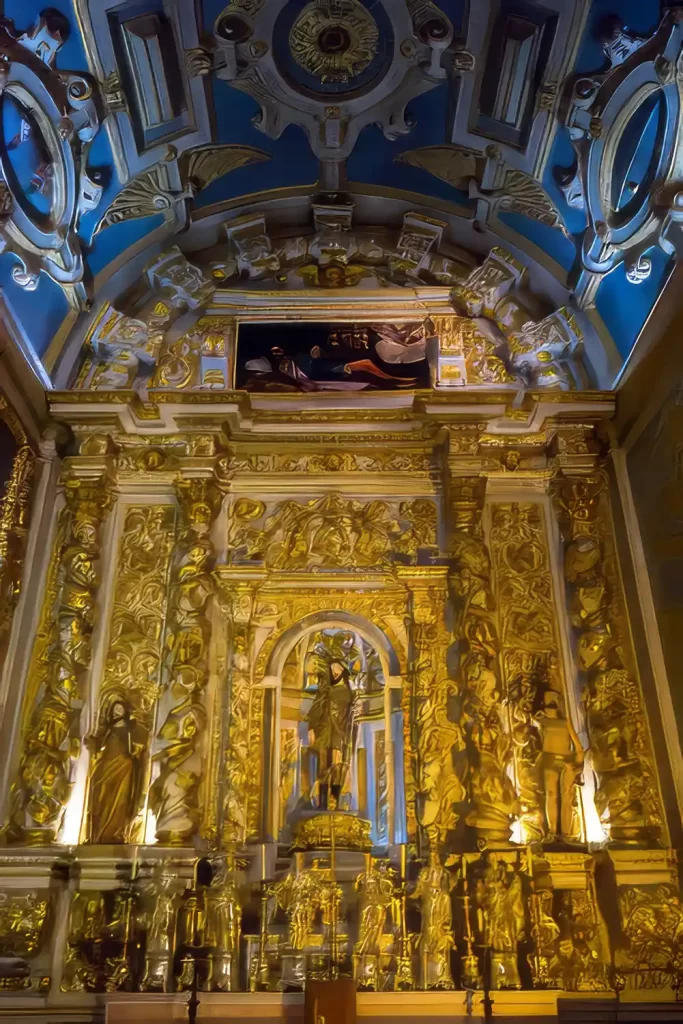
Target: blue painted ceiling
623	306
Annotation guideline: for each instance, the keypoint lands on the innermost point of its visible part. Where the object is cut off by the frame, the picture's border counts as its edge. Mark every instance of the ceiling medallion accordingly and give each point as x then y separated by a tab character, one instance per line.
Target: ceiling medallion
48	118
334	40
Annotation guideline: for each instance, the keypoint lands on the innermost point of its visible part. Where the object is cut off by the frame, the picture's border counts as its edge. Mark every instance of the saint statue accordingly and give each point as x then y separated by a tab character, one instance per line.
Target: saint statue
500	920
159	920
433	890
173	794
301	895
223	926
376	890
116	778
330	723
561	762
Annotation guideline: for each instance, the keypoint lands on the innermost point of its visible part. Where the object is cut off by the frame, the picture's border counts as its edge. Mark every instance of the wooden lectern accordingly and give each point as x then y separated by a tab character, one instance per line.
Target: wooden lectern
330	1002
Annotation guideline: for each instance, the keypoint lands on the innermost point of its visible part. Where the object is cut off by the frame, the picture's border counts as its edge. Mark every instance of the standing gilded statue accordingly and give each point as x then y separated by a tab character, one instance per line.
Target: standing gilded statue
116	779
501	920
223	926
158	919
375	890
433	890
561	767
330	723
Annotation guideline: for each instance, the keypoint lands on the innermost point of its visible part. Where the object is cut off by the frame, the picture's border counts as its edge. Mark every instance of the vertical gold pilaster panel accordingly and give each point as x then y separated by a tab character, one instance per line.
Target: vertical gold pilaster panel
627	796
14	520
486	738
182	720
547	761
243	747
119	776
437	739
59	667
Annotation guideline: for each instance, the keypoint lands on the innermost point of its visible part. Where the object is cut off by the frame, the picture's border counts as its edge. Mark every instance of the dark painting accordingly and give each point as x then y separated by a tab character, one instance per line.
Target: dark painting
331	357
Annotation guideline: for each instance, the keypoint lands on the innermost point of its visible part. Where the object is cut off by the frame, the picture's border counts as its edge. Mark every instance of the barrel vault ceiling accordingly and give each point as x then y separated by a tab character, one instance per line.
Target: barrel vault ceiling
551	129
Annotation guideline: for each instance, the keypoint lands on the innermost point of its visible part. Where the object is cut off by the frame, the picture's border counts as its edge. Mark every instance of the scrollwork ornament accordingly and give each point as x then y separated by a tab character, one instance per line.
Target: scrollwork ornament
169	189
242	797
331	532
627	796
488	745
439	739
22	924
60	664
653	923
65	106
174	795
97	955
579	958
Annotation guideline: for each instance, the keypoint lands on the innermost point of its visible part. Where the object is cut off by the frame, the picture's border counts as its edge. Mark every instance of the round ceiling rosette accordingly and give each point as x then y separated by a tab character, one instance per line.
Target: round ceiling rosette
333	47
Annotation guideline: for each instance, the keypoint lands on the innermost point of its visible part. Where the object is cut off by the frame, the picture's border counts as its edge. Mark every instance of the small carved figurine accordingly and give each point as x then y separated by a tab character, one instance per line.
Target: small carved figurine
433	890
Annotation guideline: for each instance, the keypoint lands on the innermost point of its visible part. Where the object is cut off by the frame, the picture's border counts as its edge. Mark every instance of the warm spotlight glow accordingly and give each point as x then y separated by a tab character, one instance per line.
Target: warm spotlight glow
519	835
595	830
73	815
150	828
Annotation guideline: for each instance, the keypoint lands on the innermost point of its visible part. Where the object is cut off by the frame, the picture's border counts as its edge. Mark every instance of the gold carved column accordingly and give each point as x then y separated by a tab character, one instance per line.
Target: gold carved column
182	717
438	739
627	795
57	682
243	758
487	742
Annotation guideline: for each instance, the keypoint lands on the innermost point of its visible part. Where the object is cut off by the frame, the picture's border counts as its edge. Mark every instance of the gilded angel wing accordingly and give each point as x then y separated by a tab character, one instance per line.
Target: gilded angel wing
452	164
203	165
524	195
167	188
148	194
458	167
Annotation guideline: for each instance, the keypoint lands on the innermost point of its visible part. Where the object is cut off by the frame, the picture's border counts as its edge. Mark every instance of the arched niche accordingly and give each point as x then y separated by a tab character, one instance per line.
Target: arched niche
294	777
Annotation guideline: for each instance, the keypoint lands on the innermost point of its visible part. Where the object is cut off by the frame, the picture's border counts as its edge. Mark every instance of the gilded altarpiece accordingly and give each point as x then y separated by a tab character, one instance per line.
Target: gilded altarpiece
356	702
